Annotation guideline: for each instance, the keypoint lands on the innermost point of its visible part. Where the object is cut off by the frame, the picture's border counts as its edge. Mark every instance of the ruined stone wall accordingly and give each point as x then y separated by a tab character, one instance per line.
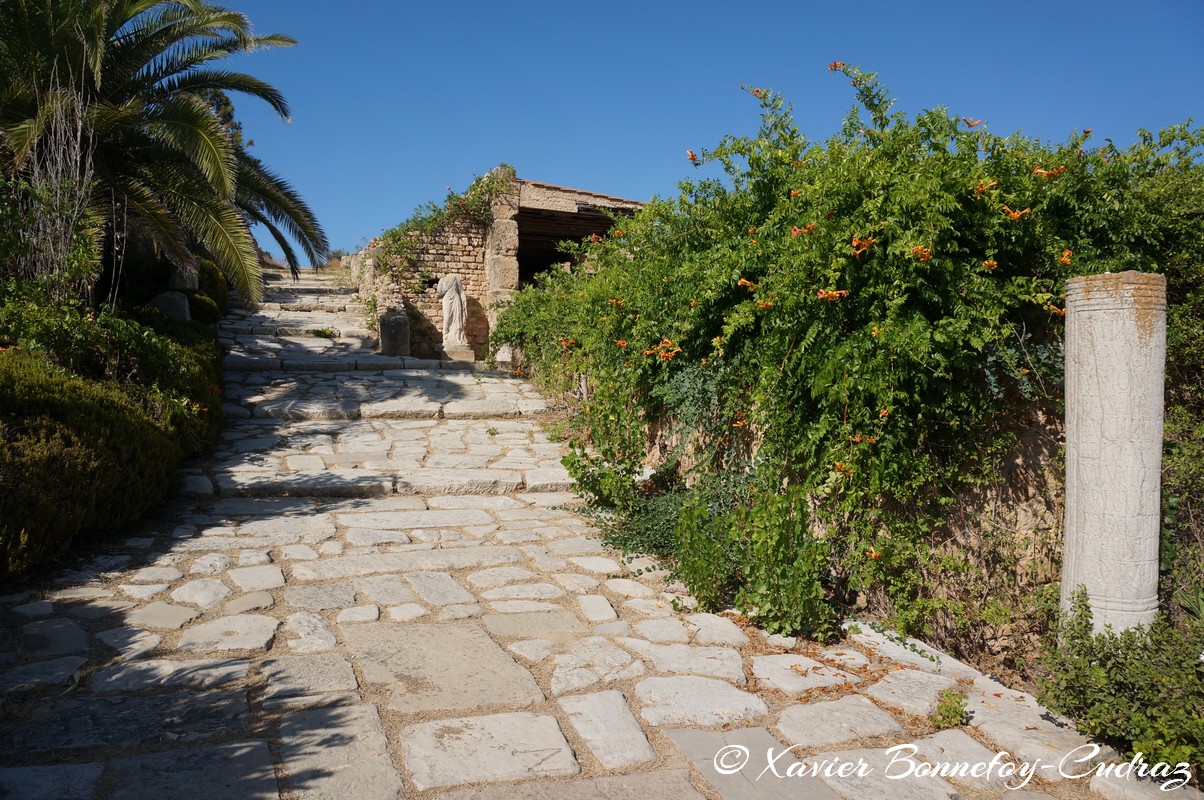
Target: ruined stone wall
459	248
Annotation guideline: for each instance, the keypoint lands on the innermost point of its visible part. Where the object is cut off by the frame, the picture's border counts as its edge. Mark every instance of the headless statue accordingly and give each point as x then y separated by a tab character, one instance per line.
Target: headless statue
451	292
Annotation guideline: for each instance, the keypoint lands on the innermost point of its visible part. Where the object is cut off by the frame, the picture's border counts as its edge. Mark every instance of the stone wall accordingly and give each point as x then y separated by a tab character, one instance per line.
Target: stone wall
457	249
486	257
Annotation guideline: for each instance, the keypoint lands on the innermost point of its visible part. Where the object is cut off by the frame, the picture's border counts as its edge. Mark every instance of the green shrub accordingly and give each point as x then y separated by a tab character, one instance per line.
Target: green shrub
1140	690
782	566
203	309
78	458
704	550
870	318
212	283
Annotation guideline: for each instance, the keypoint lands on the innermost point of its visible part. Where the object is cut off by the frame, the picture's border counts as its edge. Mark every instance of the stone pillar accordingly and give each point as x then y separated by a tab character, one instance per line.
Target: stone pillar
1115	366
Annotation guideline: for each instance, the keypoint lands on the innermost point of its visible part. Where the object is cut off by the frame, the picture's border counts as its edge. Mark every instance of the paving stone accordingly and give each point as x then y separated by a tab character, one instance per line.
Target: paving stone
251	579
684	659
79	593
38	608
438	588
369	613
845	657
617	628
54	672
203	592
130	642
162	616
410	520
253	558
547	480
692	700
496	747
596	608
143	591
129	720
714	629
384	589
913	653
521	606
298	552
576	546
524	591
230	771
474	501
717	754
662	630
875	777
597	564
139	675
590	661
407	612
253	601
533	650
97	609
795	674
911	690
235	632
438	667
649	607
643	786
500	576
460	611
327	483
959	753
52	637
555	626
832	723
579	584
338	753
417	561
369	537
156	575
308	633
1121	783
610	732
628	588
210	564
61	782
1021	726
292	677
321	597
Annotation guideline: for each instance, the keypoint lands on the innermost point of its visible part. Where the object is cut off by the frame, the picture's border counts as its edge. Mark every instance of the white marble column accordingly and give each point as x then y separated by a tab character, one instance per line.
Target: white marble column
1115	366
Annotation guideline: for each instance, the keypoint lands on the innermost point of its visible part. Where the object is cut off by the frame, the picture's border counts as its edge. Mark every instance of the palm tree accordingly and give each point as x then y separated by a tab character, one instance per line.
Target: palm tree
145	72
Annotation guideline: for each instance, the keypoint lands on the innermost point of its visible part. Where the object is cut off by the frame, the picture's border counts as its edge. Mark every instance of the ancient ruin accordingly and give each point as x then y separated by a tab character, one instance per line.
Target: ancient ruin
491	260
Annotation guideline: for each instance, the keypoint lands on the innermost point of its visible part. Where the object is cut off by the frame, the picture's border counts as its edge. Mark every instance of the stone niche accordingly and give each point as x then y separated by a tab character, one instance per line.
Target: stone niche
493	261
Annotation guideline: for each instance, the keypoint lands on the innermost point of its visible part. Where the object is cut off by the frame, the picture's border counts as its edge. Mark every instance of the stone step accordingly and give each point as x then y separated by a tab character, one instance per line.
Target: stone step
378	483
367	362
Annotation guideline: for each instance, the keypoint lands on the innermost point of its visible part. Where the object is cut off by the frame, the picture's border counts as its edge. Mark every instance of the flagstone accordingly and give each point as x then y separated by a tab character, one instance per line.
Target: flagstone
438	667
495	747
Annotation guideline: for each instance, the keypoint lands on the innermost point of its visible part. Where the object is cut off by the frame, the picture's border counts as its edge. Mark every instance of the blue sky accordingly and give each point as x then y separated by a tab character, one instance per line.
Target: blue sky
394	100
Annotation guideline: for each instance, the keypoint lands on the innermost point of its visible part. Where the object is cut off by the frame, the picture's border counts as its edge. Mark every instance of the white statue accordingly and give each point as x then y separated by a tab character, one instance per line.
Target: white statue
451	291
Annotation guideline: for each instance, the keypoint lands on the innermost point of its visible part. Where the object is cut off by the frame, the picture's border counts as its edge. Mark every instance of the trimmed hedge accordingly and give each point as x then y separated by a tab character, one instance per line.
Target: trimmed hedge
96	413
76	457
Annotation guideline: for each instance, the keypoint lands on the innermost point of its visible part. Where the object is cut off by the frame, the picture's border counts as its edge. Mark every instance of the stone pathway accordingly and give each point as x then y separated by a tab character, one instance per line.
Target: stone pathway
378	588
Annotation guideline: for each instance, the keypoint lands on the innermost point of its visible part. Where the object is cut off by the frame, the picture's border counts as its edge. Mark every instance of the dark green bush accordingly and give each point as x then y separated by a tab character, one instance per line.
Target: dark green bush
78	459
212	283
203	308
1140	690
